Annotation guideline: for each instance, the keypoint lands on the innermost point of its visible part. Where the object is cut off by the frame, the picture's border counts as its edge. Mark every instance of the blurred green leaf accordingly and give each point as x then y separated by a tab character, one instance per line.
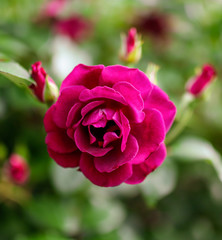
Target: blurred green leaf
197	149
16	73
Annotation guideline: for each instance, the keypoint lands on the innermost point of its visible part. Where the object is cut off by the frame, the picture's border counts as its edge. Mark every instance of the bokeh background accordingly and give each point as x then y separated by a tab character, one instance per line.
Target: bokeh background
180	200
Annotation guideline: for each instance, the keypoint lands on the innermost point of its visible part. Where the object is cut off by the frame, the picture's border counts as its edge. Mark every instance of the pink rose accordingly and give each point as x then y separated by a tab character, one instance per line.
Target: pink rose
110	122
45	88
17	169
53	8
198	84
77	28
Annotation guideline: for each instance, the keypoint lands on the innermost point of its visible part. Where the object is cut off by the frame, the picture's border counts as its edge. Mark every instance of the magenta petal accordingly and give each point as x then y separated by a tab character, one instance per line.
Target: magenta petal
60	142
83	143
68	97
92	139
149	134
96	118
140	171
83	75
90	106
48	120
74	115
116	158
125	126
159	100
111	179
131	94
109	137
114	74
70	160
101	92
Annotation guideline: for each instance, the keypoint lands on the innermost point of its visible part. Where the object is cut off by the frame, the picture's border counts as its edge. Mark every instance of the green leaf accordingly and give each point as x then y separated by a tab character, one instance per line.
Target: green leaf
14	72
197	149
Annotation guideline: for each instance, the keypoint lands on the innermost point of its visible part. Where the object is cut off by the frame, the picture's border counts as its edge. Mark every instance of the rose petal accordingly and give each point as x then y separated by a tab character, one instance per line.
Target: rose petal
140	171
83	143
125	126
66	160
68	97
83	75
149	134
60	142
90	106
114	74
116	158
109	137
74	116
101	92
111	179
48	120
131	94
96	118
159	100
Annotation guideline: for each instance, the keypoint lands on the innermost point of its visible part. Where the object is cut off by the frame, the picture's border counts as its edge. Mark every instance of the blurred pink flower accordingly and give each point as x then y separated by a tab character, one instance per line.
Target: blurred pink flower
77	28
110	122
17	169
156	25
45	88
53	8
198	84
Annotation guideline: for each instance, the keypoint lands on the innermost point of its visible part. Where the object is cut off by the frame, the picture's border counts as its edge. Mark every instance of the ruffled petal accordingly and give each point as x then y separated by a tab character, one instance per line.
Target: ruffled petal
96	118
159	100
116	158
149	134
109	137
74	116
70	160
83	143
114	74
60	142
87	76
111	179
90	106
101	92
68	97
140	171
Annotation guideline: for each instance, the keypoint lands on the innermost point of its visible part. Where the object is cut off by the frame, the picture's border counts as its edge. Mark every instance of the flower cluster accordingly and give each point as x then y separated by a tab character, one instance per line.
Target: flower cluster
110	122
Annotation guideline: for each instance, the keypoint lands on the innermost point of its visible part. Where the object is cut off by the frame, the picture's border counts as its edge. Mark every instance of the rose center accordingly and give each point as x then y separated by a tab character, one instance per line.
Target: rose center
98	133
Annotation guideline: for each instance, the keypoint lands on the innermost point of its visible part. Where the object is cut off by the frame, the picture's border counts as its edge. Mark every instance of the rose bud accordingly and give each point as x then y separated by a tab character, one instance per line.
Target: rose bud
44	88
131	47
53	8
109	122
198	84
17	169
76	28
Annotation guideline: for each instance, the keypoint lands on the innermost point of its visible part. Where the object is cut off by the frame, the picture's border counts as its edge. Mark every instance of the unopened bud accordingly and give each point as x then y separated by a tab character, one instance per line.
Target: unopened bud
131	47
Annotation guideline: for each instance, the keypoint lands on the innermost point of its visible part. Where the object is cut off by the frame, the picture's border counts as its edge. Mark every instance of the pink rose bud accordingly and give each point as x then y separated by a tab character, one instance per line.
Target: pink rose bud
52	8
197	84
45	88
17	169
131	48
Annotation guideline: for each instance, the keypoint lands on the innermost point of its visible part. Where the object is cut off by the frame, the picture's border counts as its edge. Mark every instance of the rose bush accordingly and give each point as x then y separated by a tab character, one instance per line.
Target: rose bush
110	122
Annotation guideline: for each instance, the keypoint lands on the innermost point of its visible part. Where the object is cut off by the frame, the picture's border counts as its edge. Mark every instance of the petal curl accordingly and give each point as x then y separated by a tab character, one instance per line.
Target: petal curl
82	141
140	171
70	160
68	97
111	179
159	100
114	74
87	76
149	134
116	158
48	120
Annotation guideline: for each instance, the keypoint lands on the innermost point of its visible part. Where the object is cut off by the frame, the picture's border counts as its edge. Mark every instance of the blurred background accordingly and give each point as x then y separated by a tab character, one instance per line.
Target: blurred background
180	200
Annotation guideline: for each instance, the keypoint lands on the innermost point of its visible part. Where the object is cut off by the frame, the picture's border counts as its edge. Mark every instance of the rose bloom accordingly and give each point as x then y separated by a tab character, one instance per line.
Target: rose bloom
77	28
53	8
17	169
110	122
198	84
